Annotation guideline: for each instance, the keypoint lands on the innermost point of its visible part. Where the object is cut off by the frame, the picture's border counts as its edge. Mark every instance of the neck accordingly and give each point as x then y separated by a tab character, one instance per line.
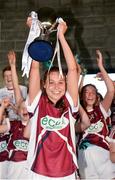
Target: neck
89	108
10	88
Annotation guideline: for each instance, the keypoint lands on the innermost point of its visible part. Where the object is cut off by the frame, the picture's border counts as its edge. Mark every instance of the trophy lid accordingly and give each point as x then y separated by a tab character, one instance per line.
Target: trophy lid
40	50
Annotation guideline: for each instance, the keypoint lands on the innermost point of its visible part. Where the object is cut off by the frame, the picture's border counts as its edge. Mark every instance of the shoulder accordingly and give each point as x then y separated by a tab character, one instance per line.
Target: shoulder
3	89
4	92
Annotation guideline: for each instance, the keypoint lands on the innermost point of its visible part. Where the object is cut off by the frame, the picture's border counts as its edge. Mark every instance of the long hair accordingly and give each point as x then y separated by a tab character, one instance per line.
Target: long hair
82	101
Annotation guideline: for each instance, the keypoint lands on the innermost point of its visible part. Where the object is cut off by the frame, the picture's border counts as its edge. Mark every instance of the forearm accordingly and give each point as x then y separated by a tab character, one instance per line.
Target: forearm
107	100
72	74
17	91
3	128
2	109
34	80
73	69
70	60
107	80
14	76
84	119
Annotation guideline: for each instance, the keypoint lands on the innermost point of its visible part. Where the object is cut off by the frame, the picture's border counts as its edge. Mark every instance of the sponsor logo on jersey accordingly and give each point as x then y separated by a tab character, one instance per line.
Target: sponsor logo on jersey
95	127
3	146
21	145
50	123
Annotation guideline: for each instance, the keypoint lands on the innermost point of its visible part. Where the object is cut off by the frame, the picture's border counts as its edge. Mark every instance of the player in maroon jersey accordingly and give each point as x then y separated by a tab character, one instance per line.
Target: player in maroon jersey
17	145
13	146
93	155
52	152
4	137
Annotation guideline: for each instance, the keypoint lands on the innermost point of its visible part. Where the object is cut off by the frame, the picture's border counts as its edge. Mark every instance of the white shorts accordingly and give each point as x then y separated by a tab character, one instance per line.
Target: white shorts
17	170
35	176
3	169
94	162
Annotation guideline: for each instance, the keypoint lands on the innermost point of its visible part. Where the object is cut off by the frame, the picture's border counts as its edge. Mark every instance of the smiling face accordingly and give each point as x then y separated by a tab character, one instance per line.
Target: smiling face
89	96
8	79
55	86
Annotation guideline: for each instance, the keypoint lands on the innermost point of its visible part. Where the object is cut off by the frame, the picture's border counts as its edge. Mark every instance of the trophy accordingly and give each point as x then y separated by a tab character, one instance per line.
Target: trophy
42	44
41	48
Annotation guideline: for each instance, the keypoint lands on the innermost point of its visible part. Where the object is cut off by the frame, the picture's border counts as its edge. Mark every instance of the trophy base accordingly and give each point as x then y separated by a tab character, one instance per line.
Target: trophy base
41	50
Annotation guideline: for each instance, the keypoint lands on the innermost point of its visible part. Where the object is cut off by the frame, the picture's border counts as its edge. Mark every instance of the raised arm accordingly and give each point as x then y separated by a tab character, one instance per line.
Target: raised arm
4	125
72	76
34	81
34	75
84	122
109	84
12	61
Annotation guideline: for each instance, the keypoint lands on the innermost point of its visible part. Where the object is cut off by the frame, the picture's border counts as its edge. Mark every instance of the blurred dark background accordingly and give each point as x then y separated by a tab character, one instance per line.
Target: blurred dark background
91	26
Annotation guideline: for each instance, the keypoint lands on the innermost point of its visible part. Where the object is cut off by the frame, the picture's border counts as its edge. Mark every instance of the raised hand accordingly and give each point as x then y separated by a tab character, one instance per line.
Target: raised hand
11	57
29	21
99	76
99	58
62	28
5	102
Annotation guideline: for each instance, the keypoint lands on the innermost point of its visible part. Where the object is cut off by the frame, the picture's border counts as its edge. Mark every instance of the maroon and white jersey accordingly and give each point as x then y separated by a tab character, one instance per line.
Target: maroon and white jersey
55	151
3	147
98	130
17	145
